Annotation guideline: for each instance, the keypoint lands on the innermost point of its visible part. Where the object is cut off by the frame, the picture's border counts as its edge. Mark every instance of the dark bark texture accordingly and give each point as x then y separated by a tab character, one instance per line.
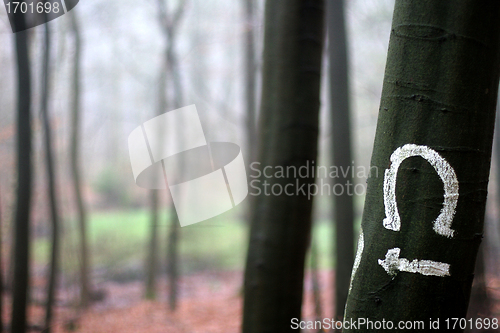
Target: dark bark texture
341	151
280	225
23	196
440	90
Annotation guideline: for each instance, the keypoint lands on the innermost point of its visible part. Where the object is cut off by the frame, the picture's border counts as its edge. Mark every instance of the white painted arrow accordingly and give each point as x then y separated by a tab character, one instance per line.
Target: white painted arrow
392	264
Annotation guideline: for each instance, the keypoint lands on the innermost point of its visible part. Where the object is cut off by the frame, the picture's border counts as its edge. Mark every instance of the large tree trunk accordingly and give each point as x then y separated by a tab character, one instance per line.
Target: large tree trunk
49	160
341	153
23	200
75	165
438	102
280	225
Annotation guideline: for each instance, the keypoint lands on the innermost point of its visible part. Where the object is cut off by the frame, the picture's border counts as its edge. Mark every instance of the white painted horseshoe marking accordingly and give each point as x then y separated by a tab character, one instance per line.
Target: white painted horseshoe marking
442	224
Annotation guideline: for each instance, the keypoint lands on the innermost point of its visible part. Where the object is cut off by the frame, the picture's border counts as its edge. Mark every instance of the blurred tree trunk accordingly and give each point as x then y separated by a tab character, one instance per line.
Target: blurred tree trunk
250	78
439	95
174	229
341	153
75	164
495	245
172	258
289	126
49	160
316	287
152	266
170	23
480	302
1	268
23	197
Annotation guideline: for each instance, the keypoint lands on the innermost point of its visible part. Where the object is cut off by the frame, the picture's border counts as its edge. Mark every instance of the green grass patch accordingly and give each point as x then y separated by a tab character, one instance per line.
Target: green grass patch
118	241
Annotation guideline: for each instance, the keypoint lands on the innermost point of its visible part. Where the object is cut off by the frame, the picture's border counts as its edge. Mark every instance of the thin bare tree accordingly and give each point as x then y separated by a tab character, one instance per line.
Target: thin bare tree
170	23
51	179
75	163
24	179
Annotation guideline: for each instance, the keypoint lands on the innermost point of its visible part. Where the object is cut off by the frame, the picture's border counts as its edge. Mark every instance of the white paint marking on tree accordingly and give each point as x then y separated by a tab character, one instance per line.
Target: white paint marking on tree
357	260
392	264
442	224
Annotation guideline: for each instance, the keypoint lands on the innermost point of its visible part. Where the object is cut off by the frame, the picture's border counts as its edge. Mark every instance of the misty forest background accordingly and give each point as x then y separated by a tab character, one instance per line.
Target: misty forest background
122	50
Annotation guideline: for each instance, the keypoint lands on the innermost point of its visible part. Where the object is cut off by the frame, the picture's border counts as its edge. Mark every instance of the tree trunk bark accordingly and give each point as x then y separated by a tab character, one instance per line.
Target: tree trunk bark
250	78
152	266
495	244
435	126
289	126
75	166
23	200
49	160
341	153
316	287
172	259
173	234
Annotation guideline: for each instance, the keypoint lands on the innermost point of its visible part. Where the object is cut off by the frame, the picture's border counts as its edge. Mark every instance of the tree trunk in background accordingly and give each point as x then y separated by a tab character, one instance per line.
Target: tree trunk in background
172	258
250	79
439	94
173	233
152	266
341	153
1	267
480	303
49	160
494	245
75	165
170	22
23	197
289	126
316	287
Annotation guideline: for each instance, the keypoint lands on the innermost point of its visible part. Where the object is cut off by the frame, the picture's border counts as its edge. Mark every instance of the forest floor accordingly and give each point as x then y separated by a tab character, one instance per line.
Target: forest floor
209	302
